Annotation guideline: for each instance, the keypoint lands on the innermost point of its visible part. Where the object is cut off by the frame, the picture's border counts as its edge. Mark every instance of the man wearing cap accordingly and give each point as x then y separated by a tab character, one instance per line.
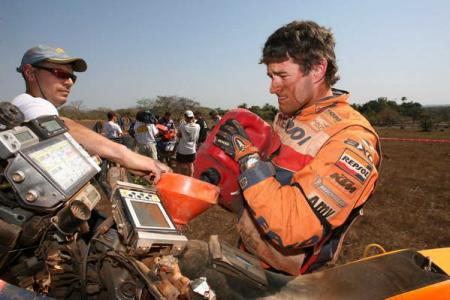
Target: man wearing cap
187	147
49	76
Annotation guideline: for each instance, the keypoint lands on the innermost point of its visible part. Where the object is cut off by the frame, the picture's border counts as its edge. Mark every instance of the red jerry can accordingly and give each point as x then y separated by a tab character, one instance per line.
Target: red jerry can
215	166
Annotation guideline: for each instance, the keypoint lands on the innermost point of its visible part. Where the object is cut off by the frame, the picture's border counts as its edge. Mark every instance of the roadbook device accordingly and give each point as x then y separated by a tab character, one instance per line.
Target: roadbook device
46	166
142	220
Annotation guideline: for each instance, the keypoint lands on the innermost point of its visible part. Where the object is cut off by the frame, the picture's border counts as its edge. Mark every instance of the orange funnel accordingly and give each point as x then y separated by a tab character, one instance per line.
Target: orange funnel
185	197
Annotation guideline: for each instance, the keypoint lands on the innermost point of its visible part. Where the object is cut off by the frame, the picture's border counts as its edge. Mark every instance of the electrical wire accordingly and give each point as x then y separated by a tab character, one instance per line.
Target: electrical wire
370	246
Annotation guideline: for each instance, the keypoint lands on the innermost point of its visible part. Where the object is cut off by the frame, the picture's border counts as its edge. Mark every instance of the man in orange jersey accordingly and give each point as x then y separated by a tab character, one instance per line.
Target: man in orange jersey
299	205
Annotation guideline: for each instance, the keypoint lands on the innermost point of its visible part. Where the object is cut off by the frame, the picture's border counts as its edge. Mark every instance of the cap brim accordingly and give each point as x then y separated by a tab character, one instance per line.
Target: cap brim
78	64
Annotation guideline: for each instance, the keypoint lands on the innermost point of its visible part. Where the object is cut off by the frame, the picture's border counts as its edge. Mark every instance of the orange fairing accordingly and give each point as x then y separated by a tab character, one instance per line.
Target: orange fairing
437	291
162	128
185	197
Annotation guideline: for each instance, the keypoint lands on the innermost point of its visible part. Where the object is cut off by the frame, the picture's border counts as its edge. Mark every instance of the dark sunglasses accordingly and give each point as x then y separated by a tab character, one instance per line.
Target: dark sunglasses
61	74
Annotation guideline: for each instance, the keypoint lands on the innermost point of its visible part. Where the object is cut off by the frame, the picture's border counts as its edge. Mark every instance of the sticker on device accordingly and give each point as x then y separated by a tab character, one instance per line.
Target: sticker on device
354	165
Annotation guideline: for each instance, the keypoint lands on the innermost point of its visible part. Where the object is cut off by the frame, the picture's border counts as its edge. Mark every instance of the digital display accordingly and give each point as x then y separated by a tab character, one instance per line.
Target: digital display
63	162
149	214
23	136
51	125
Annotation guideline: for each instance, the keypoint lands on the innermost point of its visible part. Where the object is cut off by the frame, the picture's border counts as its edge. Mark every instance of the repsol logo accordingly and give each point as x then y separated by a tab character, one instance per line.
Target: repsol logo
343	181
356	166
321	206
296	133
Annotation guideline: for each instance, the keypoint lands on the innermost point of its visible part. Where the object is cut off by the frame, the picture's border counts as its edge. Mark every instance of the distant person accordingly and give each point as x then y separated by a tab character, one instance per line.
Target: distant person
187	147
215	118
299	205
49	76
145	133
203	127
124	122
167	121
98	127
111	129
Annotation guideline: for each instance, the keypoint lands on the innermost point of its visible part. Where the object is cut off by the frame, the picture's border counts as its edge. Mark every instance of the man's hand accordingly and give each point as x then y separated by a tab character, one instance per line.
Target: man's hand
151	169
234	141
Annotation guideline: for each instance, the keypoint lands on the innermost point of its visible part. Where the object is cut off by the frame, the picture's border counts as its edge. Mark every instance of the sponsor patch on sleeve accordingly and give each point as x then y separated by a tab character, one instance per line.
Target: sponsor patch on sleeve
321	206
354	165
363	147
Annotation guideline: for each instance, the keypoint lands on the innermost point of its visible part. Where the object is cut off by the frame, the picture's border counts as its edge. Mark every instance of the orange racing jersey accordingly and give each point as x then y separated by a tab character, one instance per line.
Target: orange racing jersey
302	202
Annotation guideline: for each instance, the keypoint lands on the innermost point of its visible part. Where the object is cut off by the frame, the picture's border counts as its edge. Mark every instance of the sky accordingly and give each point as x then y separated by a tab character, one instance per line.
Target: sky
209	50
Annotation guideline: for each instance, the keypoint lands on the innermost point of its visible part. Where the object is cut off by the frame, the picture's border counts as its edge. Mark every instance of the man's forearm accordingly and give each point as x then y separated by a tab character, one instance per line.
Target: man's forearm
107	149
96	143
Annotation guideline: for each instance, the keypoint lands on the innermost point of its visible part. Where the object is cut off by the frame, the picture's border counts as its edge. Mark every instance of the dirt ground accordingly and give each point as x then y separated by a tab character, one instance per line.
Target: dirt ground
410	208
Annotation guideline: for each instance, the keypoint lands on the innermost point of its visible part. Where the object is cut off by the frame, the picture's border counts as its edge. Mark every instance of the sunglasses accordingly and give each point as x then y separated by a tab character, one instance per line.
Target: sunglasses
61	74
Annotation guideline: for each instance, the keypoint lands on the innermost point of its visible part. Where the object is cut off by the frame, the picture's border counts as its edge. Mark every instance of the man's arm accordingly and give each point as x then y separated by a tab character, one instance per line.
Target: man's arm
119	130
319	198
105	148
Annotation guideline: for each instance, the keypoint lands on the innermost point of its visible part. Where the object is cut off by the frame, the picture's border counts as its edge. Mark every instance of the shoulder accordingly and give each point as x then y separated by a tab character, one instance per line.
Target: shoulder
354	146
33	107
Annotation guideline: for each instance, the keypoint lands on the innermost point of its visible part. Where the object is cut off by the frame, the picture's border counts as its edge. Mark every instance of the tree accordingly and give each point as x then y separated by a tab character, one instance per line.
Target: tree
388	116
426	123
78	105
145	103
411	109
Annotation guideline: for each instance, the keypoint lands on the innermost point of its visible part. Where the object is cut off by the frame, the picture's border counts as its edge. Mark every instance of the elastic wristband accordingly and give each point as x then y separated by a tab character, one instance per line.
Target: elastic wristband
261	171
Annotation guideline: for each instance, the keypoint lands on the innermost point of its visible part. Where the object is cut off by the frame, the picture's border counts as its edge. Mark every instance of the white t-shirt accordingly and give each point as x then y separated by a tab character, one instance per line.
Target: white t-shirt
189	137
112	130
33	107
145	133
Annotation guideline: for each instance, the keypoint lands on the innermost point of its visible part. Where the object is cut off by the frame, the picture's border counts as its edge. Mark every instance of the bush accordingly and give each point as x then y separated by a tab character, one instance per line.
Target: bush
426	124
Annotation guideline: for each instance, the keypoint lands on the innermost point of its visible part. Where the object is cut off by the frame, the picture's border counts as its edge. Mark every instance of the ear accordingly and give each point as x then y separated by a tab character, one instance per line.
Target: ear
319	70
28	73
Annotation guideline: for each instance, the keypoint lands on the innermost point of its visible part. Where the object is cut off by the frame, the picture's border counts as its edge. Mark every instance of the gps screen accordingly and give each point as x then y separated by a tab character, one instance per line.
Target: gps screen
149	214
23	136
66	166
51	125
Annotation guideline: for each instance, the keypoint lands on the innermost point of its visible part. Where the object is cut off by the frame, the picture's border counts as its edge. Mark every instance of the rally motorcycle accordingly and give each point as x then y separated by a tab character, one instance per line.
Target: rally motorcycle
54	241
57	241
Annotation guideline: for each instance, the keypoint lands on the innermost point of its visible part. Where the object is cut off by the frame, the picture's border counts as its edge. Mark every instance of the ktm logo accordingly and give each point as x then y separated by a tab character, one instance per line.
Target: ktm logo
343	181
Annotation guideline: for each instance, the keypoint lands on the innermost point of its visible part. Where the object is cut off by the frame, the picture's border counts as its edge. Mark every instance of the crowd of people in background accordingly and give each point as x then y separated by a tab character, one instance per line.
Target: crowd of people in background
174	143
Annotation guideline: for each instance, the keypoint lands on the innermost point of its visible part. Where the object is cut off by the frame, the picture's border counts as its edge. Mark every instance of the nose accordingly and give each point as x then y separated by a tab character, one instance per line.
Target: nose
68	82
274	86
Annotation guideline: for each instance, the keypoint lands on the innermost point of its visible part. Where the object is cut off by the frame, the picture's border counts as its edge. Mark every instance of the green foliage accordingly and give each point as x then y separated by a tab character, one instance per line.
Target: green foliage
426	123
267	112
439	114
411	109
387	112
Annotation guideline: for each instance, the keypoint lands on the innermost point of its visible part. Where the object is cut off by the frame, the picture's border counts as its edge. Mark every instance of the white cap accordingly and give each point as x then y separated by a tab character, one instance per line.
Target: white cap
189	114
